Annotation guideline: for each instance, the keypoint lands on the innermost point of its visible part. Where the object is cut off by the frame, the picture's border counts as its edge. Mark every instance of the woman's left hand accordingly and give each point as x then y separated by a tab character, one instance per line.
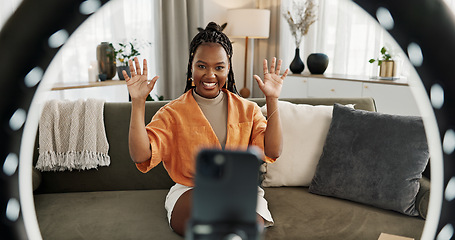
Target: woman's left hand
271	86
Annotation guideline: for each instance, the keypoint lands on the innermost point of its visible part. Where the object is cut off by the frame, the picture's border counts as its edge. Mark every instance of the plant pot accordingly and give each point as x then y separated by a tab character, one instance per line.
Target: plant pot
106	62
120	71
317	63
388	69
297	65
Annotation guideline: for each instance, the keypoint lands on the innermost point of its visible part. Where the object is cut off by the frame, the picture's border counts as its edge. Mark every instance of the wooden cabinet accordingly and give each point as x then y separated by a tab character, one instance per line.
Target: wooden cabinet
393	97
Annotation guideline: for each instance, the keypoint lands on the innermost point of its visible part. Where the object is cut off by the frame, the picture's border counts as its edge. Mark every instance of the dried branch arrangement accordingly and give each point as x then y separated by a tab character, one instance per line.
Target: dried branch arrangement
300	16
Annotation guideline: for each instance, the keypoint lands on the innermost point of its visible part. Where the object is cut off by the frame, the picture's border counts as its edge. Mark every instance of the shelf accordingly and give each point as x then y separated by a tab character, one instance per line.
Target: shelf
76	85
395	81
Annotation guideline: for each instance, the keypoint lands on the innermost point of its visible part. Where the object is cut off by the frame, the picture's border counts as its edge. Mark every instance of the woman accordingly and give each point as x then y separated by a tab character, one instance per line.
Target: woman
209	114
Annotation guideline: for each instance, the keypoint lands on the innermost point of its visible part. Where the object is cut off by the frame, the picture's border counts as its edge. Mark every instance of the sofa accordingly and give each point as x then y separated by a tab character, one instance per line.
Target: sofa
119	202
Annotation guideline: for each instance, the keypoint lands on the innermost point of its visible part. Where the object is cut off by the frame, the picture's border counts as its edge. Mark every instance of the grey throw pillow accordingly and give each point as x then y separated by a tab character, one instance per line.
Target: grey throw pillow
373	158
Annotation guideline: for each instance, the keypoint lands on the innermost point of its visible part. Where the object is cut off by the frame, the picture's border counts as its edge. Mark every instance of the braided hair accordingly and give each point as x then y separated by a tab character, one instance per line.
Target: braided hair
212	34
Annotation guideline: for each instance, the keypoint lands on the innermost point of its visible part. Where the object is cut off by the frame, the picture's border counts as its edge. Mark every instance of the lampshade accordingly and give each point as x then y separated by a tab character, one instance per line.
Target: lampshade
251	23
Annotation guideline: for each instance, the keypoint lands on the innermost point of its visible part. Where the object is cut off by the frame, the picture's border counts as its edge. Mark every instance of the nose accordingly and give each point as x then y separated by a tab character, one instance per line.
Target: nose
210	73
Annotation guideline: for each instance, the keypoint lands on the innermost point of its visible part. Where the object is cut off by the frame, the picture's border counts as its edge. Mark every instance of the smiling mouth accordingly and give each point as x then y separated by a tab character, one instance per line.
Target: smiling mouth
209	85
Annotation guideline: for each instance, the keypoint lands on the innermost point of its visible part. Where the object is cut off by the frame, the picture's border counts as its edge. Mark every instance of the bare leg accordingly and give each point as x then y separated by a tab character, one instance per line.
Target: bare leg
261	221
181	212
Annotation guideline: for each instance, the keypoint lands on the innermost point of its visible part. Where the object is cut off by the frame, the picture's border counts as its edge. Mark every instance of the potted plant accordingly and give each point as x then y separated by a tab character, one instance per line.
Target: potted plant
387	66
123	52
300	16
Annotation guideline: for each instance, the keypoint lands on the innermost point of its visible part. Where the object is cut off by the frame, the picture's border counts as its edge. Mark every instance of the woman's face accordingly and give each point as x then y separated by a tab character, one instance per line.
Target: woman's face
210	69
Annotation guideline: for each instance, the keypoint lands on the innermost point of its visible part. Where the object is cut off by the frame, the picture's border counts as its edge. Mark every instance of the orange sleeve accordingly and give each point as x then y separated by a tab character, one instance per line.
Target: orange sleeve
258	131
159	137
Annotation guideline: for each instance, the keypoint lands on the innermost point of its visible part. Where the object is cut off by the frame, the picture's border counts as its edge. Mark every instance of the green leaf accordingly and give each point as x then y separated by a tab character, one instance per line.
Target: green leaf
372	60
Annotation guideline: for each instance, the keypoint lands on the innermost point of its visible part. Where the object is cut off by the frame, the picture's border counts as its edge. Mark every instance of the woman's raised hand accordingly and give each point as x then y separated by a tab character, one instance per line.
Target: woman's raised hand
271	86
138	85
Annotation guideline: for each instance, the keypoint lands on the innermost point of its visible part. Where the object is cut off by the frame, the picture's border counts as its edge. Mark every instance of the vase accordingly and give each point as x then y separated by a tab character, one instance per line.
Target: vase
106	61
317	63
120	71
297	65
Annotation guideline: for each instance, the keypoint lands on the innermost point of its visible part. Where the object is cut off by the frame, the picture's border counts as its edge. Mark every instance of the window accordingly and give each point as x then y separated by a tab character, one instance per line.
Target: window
346	34
117	21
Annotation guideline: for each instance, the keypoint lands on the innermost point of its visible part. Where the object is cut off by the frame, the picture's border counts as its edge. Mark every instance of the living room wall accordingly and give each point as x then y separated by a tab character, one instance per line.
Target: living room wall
216	11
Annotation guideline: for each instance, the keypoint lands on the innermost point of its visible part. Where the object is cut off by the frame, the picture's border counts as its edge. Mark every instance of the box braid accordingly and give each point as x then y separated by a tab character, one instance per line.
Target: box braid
212	34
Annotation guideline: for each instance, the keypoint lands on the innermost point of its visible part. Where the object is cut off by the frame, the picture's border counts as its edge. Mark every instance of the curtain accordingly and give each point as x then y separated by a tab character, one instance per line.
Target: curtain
179	20
346	34
270	47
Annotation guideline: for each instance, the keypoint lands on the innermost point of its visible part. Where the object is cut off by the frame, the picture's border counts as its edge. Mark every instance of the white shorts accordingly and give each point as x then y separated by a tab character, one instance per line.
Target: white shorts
178	189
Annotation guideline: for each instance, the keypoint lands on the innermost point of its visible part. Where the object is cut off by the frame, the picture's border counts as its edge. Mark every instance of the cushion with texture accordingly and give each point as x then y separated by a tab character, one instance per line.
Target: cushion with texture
304	129
373	158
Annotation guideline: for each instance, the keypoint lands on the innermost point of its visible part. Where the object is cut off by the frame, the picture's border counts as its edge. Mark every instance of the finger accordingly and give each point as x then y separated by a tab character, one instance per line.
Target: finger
125	75
285	73
272	66
278	67
152	82
264	66
130	63
138	66
145	71
259	81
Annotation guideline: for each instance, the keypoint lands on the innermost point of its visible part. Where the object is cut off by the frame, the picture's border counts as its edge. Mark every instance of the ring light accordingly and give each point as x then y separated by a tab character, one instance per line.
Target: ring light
425	29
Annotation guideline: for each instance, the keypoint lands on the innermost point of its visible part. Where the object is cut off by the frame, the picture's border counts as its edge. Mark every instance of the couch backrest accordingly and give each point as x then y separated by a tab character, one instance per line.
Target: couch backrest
122	173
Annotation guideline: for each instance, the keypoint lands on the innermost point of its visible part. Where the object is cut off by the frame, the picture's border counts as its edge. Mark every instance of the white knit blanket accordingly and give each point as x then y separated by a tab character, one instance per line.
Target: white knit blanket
72	136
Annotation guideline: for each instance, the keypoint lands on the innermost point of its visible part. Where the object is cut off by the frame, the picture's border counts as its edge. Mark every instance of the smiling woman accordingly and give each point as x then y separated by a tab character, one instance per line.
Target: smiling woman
428	39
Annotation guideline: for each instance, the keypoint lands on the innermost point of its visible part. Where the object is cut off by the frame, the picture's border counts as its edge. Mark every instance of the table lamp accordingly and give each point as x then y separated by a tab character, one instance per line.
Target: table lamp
248	23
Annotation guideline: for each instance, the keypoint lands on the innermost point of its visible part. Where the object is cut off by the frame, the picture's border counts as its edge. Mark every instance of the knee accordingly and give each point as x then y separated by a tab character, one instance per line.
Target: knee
181	213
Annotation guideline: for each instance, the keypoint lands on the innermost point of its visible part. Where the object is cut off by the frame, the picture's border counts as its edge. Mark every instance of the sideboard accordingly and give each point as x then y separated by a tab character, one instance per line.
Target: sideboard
391	96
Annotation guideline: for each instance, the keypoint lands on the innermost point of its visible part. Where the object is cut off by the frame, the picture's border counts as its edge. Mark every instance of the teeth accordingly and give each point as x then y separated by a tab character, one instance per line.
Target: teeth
209	84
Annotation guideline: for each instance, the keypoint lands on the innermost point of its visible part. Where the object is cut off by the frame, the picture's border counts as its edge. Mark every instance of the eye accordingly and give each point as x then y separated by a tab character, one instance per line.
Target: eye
220	68
201	66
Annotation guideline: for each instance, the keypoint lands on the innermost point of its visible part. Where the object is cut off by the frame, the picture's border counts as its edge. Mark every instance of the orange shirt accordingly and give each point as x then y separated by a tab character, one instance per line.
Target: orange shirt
179	130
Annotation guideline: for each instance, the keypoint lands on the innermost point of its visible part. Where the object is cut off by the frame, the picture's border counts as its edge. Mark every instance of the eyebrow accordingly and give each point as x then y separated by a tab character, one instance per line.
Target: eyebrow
200	61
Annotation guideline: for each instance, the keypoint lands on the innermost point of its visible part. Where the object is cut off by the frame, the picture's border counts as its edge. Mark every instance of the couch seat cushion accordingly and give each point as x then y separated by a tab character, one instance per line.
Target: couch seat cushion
299	214
104	215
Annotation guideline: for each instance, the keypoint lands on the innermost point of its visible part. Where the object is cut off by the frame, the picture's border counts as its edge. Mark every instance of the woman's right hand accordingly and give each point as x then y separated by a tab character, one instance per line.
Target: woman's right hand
138	85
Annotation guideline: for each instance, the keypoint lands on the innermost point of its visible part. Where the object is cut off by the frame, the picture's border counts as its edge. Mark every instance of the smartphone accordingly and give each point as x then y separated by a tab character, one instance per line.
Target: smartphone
225	195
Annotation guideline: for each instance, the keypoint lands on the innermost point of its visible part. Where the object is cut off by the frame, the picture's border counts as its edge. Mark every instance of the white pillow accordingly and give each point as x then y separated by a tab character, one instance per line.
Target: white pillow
305	129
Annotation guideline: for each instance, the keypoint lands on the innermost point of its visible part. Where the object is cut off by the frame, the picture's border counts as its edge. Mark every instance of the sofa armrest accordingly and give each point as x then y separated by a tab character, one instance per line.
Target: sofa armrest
423	197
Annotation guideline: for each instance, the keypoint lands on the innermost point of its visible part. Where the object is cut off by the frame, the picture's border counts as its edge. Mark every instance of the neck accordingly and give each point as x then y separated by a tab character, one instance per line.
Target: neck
206	97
